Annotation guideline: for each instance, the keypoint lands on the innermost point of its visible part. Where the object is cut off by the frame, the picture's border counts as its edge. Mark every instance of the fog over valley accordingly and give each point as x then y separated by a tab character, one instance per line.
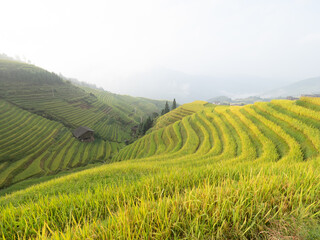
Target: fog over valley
169	84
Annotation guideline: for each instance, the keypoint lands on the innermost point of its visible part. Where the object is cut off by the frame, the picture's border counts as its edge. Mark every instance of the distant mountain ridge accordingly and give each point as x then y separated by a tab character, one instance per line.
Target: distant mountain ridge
223	100
310	86
165	83
307	86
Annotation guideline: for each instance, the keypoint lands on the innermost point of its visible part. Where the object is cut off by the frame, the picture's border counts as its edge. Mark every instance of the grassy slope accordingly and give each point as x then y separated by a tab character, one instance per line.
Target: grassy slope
46	94
179	113
33	146
225	172
38	111
134	107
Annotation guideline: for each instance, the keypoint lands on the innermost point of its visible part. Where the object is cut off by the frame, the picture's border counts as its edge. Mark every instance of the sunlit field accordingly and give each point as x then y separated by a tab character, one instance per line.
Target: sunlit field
247	172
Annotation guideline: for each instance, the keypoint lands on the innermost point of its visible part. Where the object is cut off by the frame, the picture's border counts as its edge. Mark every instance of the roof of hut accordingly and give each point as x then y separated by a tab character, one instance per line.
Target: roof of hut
81	130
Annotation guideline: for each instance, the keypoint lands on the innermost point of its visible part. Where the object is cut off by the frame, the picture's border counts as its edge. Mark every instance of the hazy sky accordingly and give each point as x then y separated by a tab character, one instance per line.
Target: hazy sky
104	41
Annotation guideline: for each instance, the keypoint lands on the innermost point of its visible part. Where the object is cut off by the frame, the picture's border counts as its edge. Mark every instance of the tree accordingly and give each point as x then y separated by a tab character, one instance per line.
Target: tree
174	104
155	115
166	108
147	125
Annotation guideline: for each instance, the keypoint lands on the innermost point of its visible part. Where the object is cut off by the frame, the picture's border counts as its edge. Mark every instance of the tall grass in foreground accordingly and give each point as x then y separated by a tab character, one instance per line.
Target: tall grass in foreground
140	201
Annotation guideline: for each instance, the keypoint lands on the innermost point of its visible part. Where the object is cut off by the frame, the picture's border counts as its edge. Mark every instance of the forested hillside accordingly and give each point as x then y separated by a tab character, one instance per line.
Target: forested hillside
221	172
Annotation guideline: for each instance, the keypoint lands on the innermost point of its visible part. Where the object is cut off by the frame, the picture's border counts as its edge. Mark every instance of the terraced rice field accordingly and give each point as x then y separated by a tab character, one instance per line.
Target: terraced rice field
179	113
126	106
249	172
47	95
280	130
31	145
86	111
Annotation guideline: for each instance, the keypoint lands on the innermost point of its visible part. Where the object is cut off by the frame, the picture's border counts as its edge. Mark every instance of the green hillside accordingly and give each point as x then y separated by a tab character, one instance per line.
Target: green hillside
32	146
247	172
46	94
38	112
133	109
179	113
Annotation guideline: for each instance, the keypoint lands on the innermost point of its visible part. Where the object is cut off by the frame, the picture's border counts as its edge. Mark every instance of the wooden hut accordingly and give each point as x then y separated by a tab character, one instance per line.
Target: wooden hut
84	134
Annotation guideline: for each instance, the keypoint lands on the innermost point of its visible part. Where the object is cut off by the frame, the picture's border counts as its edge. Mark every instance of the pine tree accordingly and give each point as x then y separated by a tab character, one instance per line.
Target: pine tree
147	125
166	108
174	104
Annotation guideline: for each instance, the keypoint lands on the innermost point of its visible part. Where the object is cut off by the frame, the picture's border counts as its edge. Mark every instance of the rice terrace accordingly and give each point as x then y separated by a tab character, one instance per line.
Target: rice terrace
201	171
160	120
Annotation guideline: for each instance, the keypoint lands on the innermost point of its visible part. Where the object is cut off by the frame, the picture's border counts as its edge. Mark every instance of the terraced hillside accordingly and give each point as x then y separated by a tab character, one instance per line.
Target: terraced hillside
39	110
31	145
179	113
47	95
276	130
134	107
247	172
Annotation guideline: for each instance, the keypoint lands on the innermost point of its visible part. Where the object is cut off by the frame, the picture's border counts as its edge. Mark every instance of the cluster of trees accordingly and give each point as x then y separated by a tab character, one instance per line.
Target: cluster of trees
167	108
144	126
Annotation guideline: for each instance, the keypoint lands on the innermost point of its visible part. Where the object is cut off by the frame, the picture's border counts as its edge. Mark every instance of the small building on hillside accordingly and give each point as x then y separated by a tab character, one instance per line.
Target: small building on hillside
84	134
